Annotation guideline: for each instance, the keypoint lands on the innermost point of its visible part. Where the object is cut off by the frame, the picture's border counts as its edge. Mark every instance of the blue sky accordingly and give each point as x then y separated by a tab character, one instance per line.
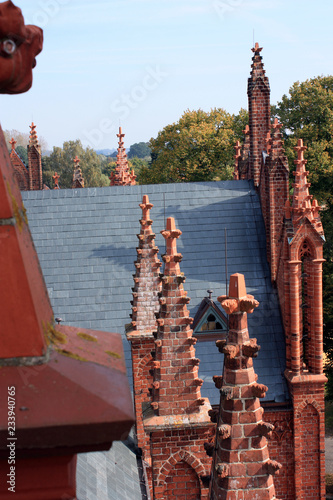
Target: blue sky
142	63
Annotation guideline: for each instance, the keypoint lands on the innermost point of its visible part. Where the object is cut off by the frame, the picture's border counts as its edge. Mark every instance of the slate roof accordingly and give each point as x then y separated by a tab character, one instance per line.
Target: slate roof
86	241
110	475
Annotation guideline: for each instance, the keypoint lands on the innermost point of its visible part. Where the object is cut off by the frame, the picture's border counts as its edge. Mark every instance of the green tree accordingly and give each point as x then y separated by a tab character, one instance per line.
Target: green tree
307	113
61	160
199	147
23	154
139	150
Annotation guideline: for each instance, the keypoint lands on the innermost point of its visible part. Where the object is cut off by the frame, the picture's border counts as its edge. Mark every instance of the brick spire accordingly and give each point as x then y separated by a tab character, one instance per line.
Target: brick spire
176	383
122	176
35	161
147	285
302	206
78	180
241	465
147	282
33	136
259	113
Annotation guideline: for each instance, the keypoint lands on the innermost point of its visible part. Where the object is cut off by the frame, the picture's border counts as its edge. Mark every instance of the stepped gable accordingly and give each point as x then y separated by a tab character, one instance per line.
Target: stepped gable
122	176
176	388
20	170
147	281
258	91
241	465
35	161
301	206
78	180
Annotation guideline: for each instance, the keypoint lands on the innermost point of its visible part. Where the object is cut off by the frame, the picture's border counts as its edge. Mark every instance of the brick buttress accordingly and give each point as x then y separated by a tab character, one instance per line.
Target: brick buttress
178	422
242	469
145	306
300	292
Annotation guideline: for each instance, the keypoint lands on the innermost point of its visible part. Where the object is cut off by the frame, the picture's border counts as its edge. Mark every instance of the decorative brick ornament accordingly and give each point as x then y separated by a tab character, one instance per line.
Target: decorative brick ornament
241	467
122	176
78	180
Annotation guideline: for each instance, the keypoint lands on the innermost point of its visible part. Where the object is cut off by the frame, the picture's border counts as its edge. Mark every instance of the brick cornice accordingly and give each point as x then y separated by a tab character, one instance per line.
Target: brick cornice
305	378
153	423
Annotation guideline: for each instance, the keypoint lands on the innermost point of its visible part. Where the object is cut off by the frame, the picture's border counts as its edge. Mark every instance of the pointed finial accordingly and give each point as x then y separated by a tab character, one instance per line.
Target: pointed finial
238	300
12	143
171	258
145	207
276	124
33	136
256	49
300	149
120	135
246	131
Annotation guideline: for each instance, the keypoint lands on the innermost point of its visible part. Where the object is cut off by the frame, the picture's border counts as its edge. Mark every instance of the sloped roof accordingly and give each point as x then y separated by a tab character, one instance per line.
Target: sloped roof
86	242
110	475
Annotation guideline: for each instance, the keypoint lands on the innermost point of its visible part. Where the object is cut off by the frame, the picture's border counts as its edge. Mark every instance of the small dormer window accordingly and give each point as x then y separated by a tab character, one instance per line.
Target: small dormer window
210	321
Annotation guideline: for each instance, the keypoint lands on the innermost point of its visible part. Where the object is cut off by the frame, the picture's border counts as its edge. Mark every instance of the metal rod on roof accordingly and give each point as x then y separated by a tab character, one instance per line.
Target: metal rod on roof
226	260
164	210
226	272
164	216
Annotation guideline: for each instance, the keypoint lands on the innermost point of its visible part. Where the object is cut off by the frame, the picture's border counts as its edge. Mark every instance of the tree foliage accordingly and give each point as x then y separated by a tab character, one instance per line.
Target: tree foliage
307	113
199	147
61	160
139	150
23	154
22	139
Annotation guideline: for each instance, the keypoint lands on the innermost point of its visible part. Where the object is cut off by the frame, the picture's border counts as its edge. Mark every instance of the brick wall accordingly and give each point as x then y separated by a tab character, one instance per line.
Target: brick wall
179	461
281	448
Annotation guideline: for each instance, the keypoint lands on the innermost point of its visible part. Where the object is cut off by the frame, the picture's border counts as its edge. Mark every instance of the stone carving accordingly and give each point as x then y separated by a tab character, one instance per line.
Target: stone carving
19	46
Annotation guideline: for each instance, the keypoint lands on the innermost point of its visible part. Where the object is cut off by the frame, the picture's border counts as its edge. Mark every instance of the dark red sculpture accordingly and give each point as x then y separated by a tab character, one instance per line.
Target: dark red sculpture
19	46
